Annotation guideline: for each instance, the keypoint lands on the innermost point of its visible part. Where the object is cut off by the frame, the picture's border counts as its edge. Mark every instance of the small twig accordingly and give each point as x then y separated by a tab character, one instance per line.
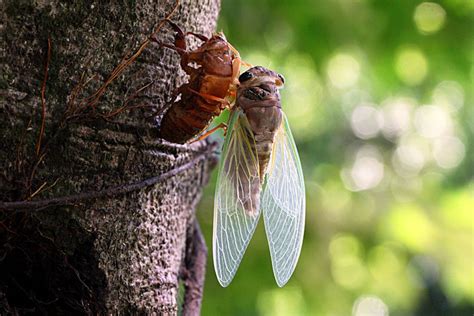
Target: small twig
37	190
110	192
43	99
74	93
8	230
125	105
195	271
33	170
78	275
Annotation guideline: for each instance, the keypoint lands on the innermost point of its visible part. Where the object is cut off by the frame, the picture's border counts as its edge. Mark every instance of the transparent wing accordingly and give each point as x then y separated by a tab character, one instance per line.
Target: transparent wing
236	204
283	205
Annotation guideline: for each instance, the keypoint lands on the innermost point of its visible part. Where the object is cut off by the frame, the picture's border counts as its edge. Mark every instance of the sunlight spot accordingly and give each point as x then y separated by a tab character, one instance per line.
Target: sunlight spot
410	225
369	306
433	121
349	272
411	155
411	66
365	121
429	17
448	151
396	116
344	245
449	94
384	263
343	70
456	209
366	172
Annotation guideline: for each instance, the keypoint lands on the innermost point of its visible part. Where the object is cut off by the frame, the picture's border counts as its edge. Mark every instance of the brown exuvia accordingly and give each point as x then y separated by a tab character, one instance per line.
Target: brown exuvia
213	67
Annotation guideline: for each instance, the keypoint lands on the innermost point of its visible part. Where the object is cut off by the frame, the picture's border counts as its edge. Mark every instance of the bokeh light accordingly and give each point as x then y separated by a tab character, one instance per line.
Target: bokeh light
396	113
411	66
411	155
433	121
448	151
369	306
449	94
409	225
429	17
385	263
343	70
366	171
366	121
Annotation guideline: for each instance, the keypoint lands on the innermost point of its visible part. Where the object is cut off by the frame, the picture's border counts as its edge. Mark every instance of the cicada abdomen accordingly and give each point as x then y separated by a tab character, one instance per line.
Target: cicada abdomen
213	67
260	171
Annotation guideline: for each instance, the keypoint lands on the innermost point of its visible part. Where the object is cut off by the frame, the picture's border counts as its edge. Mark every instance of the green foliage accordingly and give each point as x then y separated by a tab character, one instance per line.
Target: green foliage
379	97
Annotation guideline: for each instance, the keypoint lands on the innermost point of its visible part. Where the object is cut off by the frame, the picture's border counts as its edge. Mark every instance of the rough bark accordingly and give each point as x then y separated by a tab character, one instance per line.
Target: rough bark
113	254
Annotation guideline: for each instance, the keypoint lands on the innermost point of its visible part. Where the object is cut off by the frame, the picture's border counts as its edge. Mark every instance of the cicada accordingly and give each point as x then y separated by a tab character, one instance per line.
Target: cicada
213	69
260	172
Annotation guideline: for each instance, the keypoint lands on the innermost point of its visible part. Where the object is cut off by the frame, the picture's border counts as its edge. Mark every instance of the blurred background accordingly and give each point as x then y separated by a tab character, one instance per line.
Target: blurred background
379	96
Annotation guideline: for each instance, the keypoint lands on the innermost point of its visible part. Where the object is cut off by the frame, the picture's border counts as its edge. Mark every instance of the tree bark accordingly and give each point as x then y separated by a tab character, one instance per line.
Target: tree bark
125	251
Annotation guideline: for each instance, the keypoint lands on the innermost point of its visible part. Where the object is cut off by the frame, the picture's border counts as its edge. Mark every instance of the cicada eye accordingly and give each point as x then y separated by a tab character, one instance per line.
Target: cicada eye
245	76
281	78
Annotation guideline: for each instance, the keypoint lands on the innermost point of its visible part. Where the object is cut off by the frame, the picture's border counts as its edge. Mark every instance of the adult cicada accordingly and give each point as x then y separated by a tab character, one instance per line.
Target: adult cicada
260	172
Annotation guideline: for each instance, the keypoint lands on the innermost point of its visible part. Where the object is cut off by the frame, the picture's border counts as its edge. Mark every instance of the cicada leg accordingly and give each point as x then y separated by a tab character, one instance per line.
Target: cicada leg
200	36
210	132
180	37
224	102
232	91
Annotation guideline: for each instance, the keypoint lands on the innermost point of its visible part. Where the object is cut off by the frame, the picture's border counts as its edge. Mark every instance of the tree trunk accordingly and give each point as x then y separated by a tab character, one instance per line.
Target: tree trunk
114	230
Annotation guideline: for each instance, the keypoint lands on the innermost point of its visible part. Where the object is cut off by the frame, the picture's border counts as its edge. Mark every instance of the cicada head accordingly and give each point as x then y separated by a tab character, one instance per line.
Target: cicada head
259	85
258	75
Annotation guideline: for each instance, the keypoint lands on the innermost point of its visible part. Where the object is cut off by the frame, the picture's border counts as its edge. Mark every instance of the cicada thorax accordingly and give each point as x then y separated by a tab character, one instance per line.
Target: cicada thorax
261	106
211	69
264	121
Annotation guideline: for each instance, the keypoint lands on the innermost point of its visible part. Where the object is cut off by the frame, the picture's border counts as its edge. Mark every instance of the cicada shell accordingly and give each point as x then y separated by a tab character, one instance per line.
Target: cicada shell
213	67
260	172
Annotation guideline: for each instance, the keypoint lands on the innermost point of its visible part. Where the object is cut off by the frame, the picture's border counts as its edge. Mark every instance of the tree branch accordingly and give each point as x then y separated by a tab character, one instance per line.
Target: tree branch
110	192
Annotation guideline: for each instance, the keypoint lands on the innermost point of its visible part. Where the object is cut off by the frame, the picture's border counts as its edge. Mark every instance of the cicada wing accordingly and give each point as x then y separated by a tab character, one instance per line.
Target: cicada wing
283	205
236	203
